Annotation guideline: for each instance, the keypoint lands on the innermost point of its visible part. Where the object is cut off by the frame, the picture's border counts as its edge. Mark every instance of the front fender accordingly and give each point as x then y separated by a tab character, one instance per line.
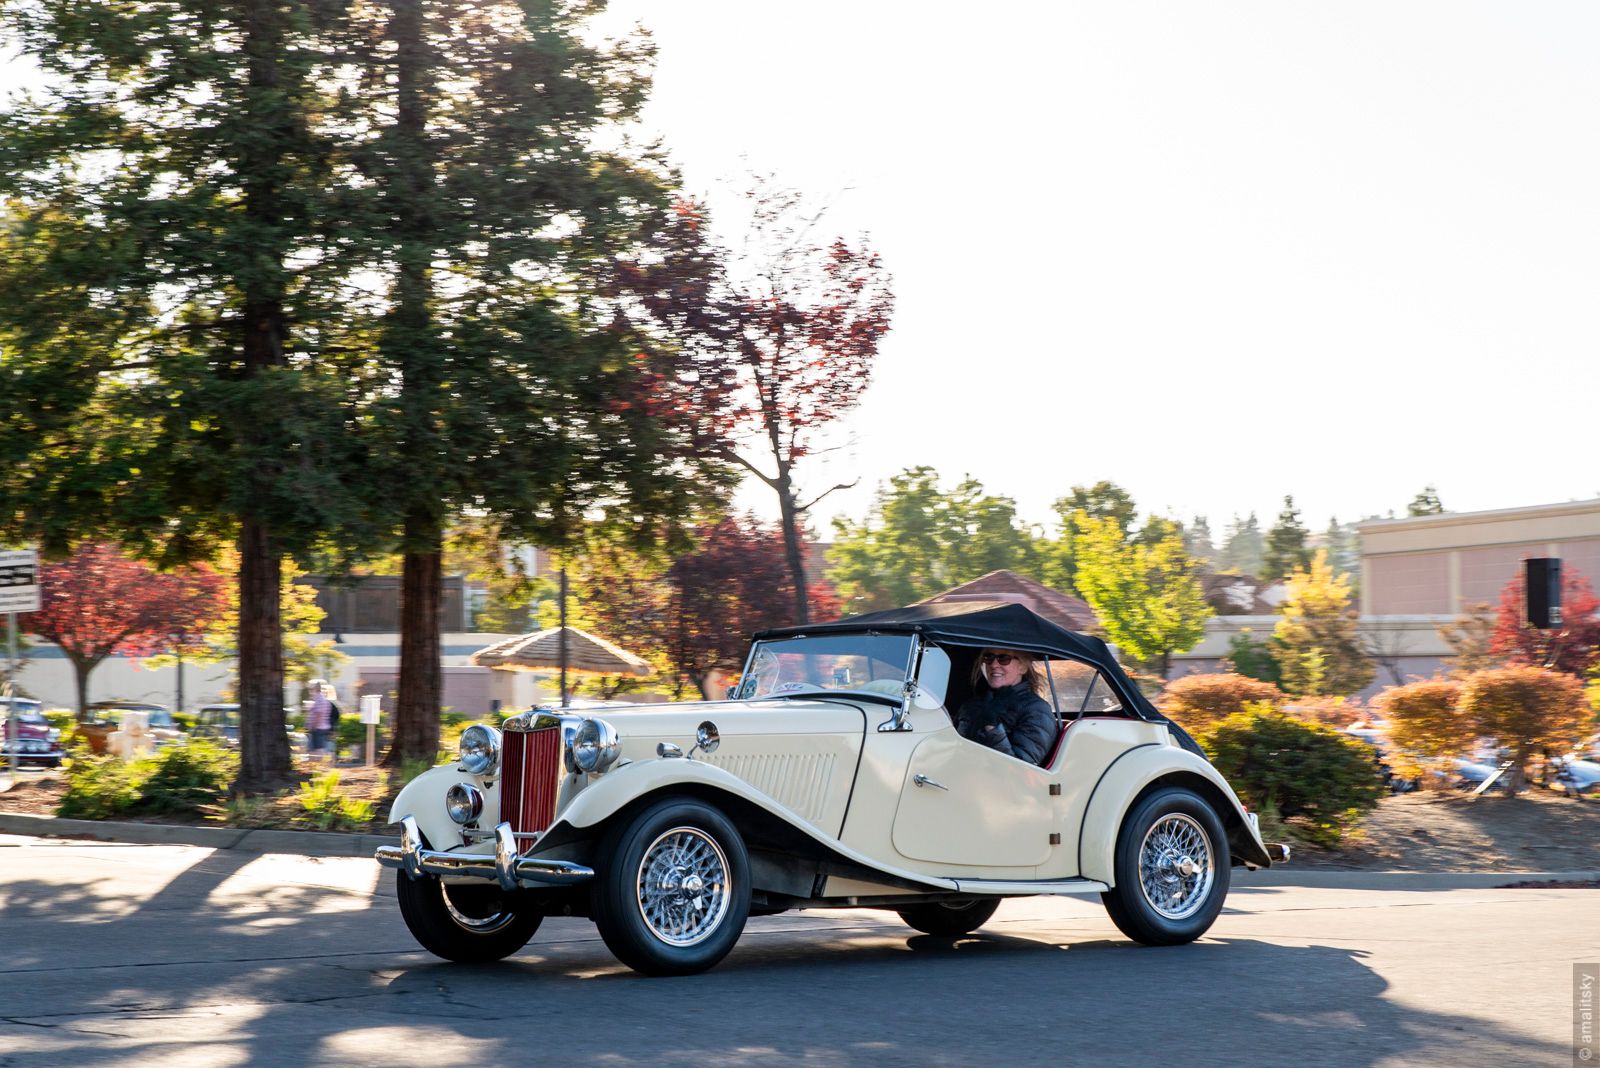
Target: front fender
1127	778
610	793
423	800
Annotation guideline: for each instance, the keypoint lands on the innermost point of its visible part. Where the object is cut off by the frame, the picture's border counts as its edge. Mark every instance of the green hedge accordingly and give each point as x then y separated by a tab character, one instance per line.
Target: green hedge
1317	780
175	778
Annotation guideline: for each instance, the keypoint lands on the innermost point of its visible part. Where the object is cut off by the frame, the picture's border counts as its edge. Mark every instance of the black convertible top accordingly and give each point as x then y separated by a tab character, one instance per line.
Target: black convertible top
995	624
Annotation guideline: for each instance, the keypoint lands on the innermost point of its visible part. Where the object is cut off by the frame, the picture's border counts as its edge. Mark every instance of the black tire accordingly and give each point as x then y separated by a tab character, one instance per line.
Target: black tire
949	918
708	922
1178	905
467	922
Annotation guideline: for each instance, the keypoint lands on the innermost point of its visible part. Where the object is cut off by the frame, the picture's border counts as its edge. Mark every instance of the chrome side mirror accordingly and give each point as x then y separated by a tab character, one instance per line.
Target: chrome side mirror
706	738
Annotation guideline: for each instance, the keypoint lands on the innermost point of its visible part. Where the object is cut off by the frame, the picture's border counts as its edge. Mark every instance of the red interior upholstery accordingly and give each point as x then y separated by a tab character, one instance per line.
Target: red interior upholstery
1055	748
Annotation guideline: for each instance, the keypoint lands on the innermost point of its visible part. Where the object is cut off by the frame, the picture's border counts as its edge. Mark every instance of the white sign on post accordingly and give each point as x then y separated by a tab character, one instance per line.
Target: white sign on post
371	709
19	580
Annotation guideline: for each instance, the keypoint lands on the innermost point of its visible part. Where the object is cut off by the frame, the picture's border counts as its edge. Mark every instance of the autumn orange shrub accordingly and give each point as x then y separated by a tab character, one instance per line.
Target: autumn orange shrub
1199	701
1425	723
1526	709
1335	712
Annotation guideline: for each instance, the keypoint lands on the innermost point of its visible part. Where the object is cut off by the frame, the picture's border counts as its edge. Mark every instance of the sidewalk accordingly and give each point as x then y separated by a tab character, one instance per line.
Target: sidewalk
303	843
331	844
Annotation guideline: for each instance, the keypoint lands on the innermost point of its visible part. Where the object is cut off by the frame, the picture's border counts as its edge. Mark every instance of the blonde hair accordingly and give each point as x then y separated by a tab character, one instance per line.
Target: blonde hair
1032	673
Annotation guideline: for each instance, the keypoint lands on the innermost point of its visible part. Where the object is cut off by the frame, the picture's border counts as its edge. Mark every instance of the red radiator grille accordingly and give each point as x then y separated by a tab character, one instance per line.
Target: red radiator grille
531	772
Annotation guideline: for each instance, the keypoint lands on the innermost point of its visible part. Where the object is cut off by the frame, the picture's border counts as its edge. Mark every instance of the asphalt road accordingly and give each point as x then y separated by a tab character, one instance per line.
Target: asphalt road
116	954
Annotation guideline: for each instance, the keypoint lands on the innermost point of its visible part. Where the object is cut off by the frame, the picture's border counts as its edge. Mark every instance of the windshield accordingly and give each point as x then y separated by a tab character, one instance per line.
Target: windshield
875	663
27	711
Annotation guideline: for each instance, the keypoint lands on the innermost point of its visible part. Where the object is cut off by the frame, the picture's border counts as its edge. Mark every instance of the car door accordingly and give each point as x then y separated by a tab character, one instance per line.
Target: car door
962	803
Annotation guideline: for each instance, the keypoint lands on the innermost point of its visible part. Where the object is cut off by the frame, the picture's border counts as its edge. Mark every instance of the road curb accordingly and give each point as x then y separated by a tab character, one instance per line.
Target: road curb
334	844
303	843
1270	878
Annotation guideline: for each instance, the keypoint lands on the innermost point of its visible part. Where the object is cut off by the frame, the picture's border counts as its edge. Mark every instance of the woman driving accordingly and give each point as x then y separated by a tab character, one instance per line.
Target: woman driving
1008	711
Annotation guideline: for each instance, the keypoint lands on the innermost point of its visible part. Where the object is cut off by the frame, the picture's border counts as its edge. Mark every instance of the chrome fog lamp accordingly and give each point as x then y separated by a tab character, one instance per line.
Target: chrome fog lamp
480	750
594	746
463	802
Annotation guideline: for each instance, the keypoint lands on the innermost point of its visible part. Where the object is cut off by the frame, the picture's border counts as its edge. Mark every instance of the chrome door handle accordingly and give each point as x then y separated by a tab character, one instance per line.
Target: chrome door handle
923	780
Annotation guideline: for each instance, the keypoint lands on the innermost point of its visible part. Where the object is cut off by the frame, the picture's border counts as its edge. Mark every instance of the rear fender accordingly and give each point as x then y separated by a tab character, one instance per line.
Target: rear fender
1150	767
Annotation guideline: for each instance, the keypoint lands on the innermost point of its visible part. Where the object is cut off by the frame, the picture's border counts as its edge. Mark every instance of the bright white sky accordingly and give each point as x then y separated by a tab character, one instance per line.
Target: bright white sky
1214	252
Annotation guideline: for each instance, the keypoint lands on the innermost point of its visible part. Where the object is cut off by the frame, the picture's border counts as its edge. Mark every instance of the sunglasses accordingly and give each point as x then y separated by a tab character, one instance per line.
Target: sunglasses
1003	659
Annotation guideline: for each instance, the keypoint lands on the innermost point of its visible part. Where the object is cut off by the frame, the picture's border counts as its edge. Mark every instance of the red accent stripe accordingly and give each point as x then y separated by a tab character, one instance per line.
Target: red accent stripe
530	778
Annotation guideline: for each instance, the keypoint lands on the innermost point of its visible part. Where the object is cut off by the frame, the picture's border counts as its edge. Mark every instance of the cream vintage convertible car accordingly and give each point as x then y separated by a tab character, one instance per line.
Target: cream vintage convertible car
835	779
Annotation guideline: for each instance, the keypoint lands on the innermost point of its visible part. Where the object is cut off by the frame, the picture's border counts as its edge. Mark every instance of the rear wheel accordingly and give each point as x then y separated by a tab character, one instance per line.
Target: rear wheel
1172	869
467	922
672	888
949	918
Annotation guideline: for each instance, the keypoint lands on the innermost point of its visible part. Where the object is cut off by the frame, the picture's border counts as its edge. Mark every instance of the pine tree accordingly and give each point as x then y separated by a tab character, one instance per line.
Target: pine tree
1197	540
1287	544
1425	503
1241	551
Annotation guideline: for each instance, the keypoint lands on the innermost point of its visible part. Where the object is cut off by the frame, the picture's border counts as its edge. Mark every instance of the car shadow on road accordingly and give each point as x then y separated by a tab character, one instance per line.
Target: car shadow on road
879	995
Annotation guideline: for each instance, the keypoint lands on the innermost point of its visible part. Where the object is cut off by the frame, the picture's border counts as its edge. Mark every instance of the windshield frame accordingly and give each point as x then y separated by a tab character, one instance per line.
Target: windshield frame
913	650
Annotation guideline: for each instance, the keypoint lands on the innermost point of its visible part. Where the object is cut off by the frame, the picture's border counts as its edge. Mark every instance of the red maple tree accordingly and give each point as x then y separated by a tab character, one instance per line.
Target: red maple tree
99	602
1573	647
784	335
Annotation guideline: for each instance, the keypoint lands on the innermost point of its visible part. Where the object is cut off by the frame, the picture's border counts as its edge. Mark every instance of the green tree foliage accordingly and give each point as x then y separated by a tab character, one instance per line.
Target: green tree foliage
176	335
1147	597
1253	659
919	540
1425	503
1317	643
1242	547
1103	500
1321	781
1288	545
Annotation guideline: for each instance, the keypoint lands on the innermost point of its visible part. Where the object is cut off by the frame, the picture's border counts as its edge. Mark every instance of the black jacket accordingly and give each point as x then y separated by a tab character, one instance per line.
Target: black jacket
1024	726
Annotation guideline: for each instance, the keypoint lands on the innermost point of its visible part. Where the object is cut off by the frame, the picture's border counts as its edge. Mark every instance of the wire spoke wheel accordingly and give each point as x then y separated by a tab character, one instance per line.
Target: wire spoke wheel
1176	866
479	909
682	886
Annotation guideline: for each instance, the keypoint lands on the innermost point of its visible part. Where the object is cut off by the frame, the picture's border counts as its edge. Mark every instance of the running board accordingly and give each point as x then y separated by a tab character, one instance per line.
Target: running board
1052	886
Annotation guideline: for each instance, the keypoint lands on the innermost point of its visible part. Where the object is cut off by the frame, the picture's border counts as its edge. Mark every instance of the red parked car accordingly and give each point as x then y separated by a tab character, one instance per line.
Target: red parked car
24	729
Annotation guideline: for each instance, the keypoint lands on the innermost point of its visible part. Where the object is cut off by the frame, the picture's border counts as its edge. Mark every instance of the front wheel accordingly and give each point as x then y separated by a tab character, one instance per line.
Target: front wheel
467	922
1172	869
672	888
950	918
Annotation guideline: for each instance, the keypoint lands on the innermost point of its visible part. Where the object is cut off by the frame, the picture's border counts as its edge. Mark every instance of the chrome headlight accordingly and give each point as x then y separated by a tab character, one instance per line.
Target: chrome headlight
480	750
464	803
594	746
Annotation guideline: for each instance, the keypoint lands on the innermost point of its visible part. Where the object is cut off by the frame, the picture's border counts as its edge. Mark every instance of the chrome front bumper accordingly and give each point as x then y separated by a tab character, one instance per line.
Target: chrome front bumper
511	871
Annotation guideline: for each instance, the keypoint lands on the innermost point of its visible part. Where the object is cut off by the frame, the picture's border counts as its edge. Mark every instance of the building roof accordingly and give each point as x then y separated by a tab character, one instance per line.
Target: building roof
1059	608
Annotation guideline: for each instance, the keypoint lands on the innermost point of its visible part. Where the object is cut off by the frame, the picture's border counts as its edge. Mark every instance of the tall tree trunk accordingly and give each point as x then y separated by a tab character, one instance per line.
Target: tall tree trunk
793	550
264	760
80	675
420	687
264	763
416	719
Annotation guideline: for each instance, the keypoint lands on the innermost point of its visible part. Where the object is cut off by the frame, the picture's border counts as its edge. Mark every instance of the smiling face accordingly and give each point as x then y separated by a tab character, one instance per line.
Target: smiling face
1003	667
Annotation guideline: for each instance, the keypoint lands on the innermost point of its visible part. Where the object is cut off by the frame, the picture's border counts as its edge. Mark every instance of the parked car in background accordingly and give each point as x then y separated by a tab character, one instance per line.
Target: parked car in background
835	778
1574	775
1376	734
26	734
220	723
164	727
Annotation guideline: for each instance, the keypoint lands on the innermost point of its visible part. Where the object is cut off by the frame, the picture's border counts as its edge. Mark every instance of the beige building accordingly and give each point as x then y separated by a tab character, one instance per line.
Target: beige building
1423	571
